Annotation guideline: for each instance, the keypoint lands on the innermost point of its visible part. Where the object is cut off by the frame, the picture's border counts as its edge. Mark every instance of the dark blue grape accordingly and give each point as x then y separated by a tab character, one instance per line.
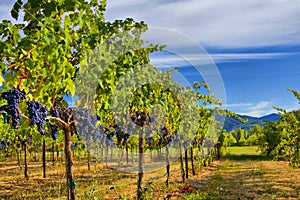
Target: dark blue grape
120	135
37	115
13	98
186	144
54	111
54	131
126	137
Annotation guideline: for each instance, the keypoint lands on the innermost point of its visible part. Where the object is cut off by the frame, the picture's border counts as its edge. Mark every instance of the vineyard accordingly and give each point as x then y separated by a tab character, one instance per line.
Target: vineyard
85	115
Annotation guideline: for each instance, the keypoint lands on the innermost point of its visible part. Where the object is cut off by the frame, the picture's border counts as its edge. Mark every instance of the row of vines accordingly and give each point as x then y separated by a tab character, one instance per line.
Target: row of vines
281	140
120	103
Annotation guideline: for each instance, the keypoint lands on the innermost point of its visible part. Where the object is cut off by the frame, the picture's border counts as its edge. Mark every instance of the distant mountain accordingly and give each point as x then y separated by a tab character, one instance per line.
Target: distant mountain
232	123
272	117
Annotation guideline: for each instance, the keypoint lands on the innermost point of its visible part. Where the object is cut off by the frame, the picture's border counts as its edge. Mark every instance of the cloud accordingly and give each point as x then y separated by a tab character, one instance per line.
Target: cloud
261	105
223	23
171	60
262	108
238	105
252	109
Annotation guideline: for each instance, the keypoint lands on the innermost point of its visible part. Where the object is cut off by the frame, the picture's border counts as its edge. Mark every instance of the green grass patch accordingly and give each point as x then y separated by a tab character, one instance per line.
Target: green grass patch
250	150
245	153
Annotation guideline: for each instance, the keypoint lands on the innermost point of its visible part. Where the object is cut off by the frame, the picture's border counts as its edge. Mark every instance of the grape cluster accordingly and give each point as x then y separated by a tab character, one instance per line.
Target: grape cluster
121	136
54	131
86	127
54	112
186	144
140	118
13	98
37	115
163	138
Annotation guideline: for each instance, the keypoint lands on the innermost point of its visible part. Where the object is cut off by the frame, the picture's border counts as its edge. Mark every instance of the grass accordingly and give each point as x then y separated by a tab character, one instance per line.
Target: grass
245	153
242	174
98	183
245	174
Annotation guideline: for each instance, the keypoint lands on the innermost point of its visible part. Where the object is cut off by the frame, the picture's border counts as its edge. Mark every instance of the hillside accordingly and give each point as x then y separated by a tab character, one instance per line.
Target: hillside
232	123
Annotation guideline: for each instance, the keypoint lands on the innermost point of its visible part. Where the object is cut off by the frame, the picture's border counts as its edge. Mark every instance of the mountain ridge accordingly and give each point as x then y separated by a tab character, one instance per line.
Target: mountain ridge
231	123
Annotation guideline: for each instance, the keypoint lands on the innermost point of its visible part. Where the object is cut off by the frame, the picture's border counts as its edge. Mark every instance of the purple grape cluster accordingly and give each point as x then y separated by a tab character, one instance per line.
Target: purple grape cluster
140	118
13	98
54	131
121	136
54	112
165	138
37	115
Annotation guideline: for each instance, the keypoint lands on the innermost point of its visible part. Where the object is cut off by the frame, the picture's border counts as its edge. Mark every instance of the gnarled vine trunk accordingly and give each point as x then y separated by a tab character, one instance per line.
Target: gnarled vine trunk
186	164
25	160
71	183
53	157
44	158
192	161
167	165
18	157
181	163
140	165
127	156
89	160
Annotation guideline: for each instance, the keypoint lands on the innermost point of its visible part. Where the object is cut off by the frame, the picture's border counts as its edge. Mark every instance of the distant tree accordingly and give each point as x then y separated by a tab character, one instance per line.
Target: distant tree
240	134
231	139
270	138
254	134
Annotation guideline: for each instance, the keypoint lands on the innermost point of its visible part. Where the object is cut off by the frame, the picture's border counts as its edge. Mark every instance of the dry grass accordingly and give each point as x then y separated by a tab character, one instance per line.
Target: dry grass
242	175
245	175
98	183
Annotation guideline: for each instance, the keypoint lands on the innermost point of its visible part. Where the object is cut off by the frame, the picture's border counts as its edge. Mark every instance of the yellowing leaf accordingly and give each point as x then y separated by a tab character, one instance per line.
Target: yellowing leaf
2	80
70	87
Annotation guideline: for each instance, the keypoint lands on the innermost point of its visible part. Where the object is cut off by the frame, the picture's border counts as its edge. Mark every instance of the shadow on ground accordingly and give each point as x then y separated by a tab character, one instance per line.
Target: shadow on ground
241	157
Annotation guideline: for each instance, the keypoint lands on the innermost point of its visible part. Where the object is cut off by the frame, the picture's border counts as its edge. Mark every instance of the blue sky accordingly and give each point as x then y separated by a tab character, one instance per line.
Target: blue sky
255	45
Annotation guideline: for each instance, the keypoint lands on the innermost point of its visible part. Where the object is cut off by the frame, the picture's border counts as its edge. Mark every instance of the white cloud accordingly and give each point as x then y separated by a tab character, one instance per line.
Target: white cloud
251	109
238	105
262	108
223	23
261	105
167	61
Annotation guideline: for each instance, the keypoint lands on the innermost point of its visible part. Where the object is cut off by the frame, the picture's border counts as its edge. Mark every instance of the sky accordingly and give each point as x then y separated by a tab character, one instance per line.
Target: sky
255	45
248	51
